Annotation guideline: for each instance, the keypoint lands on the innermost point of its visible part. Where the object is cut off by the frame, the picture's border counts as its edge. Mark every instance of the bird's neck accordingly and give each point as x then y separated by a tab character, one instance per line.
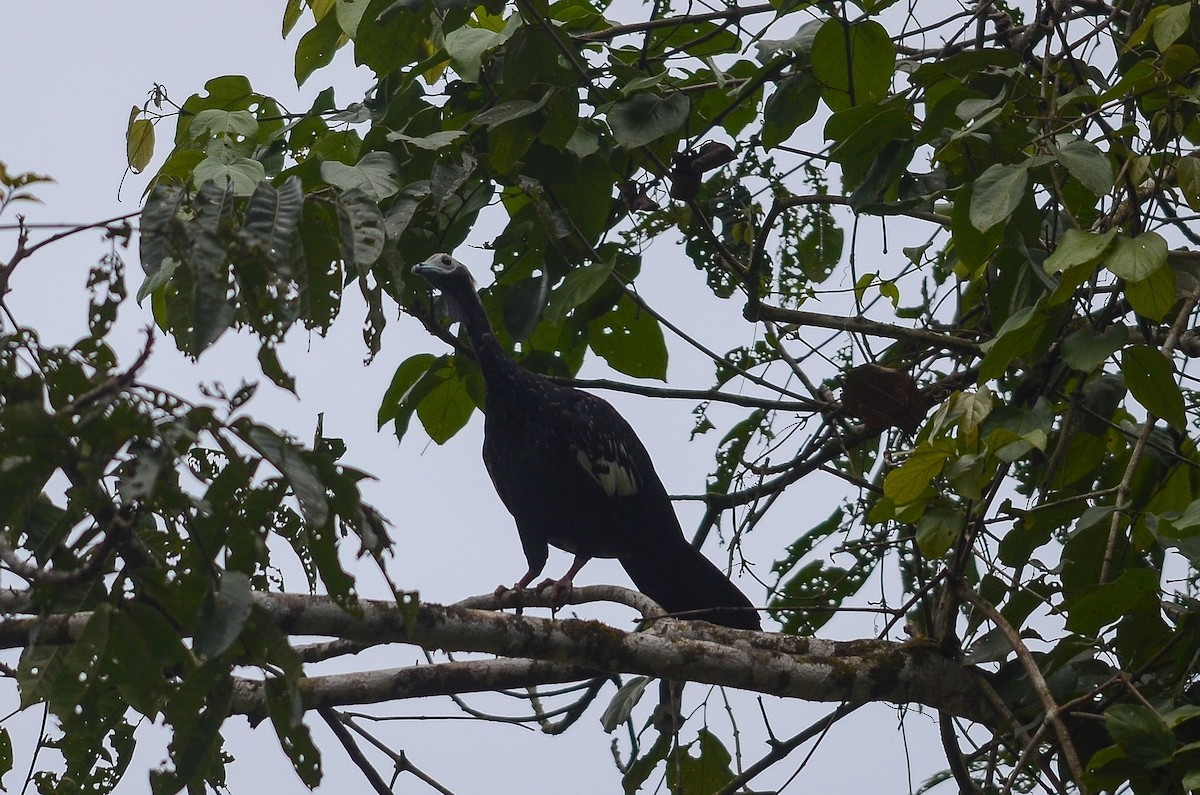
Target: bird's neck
497	366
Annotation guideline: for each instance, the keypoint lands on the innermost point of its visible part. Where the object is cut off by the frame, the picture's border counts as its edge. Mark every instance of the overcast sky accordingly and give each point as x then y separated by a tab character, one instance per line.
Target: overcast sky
72	72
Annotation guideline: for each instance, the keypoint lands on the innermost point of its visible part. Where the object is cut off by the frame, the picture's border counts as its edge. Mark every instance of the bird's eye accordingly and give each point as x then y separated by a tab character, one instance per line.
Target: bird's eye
446	260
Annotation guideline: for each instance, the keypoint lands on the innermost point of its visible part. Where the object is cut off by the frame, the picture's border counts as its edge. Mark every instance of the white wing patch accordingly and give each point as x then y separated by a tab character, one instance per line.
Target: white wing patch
617	479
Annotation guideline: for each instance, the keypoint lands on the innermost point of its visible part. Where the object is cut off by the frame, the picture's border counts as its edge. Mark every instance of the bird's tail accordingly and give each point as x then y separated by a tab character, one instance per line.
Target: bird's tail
687	583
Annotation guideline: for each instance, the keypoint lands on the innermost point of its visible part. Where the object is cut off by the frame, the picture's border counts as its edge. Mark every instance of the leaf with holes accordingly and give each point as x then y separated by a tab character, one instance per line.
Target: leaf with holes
630	340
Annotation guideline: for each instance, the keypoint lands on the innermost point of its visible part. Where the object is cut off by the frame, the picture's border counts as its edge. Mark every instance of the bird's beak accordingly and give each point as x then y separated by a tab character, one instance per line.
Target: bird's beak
432	265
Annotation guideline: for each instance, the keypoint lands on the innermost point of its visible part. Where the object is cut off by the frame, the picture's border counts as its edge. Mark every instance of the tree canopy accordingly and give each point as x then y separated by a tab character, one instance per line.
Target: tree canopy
962	238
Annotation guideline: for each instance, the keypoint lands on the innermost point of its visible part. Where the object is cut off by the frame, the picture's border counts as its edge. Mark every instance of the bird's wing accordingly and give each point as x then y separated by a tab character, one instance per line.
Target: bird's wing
612	457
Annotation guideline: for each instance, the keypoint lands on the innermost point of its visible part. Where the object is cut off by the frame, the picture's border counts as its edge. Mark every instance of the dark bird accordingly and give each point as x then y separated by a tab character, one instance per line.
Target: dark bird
573	473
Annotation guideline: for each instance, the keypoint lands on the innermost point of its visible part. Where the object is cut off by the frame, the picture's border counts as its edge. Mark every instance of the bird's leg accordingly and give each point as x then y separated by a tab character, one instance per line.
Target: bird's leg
520	585
560	589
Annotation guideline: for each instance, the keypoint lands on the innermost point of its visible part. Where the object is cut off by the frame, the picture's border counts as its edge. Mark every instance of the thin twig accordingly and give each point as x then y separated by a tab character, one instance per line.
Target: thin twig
1041	688
334	721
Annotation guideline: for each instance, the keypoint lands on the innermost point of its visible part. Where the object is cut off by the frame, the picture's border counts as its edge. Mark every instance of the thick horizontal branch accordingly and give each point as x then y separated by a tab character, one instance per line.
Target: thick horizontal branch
806	668
415	681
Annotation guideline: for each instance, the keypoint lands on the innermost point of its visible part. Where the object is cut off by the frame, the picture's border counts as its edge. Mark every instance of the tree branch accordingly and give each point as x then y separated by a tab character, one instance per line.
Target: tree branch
548	650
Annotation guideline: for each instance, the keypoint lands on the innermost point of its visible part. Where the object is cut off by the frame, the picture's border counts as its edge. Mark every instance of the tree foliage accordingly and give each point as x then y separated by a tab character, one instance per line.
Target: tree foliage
1008	394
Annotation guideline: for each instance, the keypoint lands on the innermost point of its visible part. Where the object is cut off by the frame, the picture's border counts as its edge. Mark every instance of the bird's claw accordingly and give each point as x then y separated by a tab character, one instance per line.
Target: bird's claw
498	597
560	591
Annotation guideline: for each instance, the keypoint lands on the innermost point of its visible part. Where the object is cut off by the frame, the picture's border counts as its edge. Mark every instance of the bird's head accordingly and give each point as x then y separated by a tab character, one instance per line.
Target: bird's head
445	273
454	280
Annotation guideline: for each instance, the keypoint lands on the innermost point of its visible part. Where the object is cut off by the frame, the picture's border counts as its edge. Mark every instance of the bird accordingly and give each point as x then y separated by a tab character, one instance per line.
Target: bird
574	475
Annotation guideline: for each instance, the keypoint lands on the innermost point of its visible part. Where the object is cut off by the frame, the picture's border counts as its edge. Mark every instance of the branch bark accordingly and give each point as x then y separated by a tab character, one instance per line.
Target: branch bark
540	651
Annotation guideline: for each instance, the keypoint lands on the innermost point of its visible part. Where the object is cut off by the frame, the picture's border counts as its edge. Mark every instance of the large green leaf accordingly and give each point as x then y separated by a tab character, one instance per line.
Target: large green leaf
362	235
1015	338
630	340
793	102
272	222
1088	164
1154	295
1134	590
211	311
1135	258
578	286
230	123
223	614
1086	349
647	117
908	482
447	406
997	193
292	463
317	47
854	62
1187	172
1151	380
377	174
1077	247
1141	732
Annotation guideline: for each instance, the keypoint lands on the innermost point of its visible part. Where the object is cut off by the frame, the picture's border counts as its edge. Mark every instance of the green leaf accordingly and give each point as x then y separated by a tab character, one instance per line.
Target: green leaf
997	194
707	773
1012	433
227	123
1134	258
907	482
1016	337
361	223
317	47
223	613
854	62
1135	590
402	395
1171	24
1086	163
289	459
1154	295
211	311
1187	173
466	46
630	340
286	711
579	285
242	173
623	702
6	752
162	205
447	407
792	103
431	142
1086	349
1077	247
272	222
1151	380
647	117
1142	734
937	531
377	174
139	141
510	111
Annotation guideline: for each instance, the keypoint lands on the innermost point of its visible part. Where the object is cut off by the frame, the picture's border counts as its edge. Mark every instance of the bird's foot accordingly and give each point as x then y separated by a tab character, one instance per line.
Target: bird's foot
560	591
501	590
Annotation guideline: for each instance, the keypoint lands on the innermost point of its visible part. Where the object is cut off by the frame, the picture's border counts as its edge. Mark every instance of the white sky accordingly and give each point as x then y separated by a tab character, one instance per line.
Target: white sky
72	71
